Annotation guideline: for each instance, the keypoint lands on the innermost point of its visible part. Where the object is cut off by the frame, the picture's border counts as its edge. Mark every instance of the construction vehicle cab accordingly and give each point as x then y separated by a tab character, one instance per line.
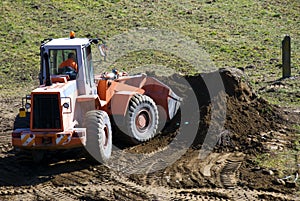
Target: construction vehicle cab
58	51
72	107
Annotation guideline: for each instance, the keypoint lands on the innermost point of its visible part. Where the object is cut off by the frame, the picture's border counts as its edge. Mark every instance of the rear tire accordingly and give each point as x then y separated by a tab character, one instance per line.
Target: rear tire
141	118
99	135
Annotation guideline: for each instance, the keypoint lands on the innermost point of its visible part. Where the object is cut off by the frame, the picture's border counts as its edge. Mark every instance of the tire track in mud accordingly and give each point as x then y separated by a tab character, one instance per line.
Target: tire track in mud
124	189
4	149
233	193
76	174
228	190
238	193
121	188
112	185
132	163
229	173
5	145
100	182
48	191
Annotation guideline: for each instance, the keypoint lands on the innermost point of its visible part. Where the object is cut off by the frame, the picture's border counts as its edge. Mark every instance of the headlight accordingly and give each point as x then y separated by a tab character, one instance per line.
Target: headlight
66	105
27	106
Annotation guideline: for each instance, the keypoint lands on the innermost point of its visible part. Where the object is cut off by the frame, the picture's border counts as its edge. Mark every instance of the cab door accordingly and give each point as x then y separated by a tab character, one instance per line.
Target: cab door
88	71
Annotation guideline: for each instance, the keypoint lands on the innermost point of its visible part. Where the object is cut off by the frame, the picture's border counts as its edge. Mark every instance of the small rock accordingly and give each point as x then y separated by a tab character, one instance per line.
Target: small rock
274	60
255	169
283	131
275	171
241	68
250	67
20	191
168	178
189	12
30	190
270	90
35	7
210	1
5	192
280	182
267	172
239	154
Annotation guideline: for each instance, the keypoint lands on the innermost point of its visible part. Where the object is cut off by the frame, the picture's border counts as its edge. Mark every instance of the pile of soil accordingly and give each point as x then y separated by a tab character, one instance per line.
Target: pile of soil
247	128
246	115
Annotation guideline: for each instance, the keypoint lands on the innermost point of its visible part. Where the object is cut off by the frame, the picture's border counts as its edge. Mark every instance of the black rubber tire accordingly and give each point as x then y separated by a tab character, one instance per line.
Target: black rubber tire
99	135
141	118
22	122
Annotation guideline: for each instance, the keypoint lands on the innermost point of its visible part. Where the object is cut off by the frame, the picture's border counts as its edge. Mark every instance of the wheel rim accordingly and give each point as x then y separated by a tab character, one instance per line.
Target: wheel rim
143	120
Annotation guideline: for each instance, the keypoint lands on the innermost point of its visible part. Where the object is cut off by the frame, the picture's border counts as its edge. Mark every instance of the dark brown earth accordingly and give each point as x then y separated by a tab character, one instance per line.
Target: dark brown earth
147	172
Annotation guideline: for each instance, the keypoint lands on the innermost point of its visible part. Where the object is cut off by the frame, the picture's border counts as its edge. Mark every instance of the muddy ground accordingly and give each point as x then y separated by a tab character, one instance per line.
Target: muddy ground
227	170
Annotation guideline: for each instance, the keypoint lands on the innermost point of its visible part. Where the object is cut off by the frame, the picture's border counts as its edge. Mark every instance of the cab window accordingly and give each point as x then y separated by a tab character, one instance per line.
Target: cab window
87	56
60	58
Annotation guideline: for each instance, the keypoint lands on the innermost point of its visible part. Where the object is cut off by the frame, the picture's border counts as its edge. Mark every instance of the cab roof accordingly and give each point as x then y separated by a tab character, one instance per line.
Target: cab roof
68	42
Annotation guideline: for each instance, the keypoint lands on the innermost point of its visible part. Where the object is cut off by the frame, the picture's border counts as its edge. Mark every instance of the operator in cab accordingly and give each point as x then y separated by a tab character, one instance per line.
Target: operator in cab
70	62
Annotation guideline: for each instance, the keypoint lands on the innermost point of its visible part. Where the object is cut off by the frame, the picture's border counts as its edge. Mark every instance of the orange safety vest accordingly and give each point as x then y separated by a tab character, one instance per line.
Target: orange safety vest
69	62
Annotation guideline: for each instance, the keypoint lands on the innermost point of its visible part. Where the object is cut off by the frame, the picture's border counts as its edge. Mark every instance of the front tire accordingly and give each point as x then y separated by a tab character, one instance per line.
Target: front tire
142	118
99	135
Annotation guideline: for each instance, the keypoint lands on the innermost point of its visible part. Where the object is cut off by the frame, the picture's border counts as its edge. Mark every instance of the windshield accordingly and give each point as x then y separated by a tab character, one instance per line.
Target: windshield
62	58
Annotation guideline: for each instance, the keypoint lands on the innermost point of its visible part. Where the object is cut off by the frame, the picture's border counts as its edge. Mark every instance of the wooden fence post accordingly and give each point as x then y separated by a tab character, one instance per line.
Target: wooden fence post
286	57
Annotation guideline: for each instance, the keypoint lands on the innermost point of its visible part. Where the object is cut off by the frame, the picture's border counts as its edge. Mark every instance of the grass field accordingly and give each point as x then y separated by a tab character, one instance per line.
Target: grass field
243	34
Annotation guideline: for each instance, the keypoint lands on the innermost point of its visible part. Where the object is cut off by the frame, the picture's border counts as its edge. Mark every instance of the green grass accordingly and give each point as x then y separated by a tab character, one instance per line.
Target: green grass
285	162
236	33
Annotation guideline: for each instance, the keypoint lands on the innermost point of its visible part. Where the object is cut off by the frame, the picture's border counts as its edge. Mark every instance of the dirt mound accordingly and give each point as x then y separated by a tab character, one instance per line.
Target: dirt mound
231	115
229	118
247	115
243	132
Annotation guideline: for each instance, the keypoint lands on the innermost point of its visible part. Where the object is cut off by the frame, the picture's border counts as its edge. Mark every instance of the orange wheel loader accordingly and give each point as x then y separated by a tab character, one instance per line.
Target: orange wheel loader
74	108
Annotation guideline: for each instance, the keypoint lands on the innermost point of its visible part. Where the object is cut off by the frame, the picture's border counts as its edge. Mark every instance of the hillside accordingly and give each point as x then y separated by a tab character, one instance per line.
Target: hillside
242	34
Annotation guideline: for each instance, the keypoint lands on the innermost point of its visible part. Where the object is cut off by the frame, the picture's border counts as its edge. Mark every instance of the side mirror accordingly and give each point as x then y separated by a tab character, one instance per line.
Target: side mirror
103	50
